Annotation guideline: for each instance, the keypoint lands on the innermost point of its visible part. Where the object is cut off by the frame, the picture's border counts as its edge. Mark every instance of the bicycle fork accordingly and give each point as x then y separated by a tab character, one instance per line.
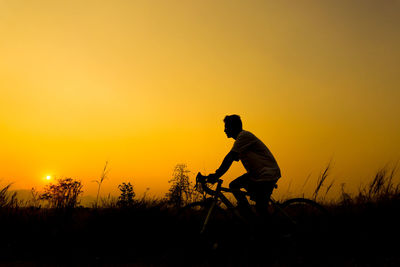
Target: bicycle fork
217	195
208	216
214	202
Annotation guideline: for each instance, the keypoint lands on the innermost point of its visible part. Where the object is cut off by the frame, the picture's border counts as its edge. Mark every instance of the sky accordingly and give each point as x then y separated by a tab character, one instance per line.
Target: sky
145	85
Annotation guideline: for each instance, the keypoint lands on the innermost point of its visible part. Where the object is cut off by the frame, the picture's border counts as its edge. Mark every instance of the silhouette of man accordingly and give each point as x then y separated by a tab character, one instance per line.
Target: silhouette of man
262	169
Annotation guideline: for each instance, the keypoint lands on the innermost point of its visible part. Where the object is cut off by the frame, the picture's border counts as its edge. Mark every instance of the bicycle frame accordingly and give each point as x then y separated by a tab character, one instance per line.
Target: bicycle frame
218	194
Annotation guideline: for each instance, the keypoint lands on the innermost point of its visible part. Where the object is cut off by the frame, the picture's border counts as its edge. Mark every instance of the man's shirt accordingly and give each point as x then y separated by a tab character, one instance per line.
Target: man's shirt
256	157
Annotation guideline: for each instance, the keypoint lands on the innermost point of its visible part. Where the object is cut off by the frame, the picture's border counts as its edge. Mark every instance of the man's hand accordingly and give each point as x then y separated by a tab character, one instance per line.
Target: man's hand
212	178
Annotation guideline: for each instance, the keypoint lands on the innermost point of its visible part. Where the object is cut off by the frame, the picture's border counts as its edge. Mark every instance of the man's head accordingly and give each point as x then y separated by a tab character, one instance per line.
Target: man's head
233	126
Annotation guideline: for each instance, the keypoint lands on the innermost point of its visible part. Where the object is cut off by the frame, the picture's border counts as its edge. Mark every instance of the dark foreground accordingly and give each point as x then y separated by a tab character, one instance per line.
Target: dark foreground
151	235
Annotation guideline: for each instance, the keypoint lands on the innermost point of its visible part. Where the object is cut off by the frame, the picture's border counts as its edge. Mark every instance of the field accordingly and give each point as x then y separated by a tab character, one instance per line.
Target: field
360	230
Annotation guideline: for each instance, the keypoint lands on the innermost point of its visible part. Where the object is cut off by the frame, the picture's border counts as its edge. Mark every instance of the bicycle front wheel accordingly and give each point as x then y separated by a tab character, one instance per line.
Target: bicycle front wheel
204	219
202	216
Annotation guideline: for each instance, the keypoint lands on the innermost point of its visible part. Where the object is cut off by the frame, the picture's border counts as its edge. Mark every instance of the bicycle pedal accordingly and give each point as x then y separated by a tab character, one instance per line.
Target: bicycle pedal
286	236
215	246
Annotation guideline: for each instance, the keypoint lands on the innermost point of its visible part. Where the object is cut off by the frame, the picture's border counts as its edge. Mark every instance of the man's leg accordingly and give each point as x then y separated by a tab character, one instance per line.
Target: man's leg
236	185
243	204
262	191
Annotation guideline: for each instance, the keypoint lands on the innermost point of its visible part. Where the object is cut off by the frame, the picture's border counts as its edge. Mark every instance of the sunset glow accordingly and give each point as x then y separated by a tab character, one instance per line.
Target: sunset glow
145	85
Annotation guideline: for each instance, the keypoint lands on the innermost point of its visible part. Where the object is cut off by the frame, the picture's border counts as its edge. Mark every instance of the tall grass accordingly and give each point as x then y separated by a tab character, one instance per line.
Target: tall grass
321	180
7	199
109	202
100	182
382	188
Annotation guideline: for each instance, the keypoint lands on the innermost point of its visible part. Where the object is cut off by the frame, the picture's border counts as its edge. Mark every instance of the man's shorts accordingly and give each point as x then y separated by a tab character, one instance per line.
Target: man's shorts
258	190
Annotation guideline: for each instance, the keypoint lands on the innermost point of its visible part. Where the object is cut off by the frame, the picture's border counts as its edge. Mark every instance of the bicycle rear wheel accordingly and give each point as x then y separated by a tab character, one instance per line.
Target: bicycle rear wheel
302	217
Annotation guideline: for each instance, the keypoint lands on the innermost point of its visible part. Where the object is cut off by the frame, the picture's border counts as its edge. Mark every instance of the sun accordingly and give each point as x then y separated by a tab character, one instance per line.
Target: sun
48	177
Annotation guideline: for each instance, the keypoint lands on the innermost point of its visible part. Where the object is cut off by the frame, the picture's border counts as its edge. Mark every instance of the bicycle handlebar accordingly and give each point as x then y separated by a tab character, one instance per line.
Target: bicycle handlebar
202	180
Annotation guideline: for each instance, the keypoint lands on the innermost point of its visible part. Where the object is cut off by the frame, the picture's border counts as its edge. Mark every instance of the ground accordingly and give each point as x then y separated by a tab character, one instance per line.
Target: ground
354	235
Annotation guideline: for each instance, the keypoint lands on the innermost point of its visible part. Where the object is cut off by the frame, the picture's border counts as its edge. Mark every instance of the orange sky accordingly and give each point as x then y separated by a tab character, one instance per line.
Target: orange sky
145	85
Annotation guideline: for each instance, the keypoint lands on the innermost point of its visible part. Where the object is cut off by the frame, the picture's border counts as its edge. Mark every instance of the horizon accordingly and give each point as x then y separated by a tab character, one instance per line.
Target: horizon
145	86
330	191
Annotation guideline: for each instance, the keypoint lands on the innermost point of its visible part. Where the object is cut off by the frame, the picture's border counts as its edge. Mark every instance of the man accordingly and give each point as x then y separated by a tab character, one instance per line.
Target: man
262	169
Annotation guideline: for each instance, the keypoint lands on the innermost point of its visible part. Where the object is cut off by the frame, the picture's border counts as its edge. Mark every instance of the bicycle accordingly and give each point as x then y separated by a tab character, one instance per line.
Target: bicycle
295	218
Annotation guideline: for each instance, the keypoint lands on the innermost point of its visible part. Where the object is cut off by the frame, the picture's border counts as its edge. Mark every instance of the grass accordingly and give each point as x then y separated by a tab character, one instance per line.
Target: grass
360	232
8	200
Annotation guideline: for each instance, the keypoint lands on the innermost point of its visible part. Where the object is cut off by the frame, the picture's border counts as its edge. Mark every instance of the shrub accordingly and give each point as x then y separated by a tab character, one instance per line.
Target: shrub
182	191
64	194
126	199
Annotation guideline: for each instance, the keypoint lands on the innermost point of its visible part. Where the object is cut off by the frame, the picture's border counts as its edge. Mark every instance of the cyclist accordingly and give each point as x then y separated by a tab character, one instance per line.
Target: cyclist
262	169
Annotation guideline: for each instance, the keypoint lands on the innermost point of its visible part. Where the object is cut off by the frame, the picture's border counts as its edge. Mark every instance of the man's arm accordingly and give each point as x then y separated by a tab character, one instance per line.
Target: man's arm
225	165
